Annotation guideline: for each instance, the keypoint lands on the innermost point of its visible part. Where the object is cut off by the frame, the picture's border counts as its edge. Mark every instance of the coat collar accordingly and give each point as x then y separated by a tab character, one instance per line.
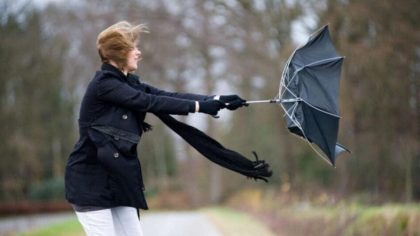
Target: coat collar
111	68
118	72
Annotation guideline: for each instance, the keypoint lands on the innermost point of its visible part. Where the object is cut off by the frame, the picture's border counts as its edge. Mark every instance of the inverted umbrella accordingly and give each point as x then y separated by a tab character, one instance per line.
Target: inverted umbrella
308	94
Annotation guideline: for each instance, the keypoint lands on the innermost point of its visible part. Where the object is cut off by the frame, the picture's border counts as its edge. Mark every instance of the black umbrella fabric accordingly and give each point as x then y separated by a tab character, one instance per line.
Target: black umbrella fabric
309	91
310	83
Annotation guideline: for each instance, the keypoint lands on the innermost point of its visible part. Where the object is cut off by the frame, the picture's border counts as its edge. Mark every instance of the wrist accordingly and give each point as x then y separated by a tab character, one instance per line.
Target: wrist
192	107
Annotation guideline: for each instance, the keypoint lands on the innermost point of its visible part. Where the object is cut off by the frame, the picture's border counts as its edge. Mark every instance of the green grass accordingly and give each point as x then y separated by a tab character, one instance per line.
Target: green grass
235	223
66	228
386	220
351	219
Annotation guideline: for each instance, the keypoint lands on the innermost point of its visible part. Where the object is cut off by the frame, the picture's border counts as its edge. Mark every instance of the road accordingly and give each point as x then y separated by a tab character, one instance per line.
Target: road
187	223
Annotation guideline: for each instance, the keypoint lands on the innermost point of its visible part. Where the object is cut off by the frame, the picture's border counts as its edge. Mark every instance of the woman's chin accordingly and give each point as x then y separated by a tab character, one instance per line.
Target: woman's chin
132	69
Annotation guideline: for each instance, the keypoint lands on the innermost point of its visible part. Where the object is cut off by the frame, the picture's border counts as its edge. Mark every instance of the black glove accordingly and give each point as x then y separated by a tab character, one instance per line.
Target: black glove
210	107
232	102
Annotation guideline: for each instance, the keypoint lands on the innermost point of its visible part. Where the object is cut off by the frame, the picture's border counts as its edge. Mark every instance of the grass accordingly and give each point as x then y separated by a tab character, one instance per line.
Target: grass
235	223
386	220
350	220
67	228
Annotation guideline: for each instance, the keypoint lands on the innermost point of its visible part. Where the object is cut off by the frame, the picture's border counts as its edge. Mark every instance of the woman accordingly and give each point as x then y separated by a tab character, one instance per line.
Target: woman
103	174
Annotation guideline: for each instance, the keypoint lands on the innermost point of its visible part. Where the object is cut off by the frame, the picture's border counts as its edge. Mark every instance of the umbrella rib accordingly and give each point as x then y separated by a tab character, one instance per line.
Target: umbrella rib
286	70
321	62
286	81
294	107
320	154
287	96
320	110
292	118
316	63
314	107
287	85
290	91
295	96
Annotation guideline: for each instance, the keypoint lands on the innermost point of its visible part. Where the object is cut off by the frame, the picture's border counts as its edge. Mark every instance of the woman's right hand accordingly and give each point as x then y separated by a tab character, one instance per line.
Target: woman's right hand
210	107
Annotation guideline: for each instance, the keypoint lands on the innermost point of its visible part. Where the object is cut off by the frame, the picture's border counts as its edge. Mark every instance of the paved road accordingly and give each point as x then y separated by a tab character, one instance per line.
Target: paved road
188	223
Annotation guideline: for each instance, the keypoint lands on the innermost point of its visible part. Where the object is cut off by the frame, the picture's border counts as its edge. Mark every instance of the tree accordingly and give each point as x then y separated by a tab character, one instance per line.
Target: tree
380	40
34	105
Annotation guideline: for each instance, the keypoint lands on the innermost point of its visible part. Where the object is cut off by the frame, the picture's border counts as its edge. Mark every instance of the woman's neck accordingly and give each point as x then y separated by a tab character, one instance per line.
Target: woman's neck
125	72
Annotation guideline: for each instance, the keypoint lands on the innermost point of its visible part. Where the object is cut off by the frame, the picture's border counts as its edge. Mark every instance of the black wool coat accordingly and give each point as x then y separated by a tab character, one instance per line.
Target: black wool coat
104	169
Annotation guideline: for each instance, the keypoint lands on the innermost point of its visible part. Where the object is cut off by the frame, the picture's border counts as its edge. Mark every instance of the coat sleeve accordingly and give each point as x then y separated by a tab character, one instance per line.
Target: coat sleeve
188	96
117	92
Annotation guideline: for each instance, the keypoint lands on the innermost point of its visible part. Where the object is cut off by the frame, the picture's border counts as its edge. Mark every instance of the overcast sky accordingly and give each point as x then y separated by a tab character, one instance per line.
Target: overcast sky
299	34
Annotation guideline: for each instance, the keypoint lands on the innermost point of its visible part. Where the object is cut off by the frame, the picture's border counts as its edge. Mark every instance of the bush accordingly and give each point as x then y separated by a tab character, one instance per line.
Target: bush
386	220
50	189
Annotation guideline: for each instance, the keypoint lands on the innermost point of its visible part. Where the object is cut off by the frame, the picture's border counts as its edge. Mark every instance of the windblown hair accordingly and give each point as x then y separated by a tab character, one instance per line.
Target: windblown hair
116	41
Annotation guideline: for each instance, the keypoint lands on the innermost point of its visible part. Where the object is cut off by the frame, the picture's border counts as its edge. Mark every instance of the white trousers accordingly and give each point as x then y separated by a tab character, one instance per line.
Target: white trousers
117	221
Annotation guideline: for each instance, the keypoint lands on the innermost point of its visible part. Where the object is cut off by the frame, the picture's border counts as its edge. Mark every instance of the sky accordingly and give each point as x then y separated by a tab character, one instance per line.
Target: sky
43	3
299	34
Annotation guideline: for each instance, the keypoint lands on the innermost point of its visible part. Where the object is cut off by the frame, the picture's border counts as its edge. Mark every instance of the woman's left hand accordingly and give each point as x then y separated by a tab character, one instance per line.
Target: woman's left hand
232	102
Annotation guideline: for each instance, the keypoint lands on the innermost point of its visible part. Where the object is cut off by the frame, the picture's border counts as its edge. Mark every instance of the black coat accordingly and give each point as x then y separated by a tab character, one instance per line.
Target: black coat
104	169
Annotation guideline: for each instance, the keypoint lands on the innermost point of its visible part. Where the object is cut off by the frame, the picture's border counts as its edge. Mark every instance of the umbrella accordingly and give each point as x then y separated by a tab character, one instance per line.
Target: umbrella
308	94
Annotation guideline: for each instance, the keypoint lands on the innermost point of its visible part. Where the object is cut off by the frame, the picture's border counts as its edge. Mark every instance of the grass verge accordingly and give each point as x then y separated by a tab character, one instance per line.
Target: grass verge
67	228
234	223
347	220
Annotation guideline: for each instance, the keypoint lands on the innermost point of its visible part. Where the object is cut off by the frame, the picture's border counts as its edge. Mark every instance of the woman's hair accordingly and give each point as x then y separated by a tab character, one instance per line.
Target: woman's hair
116	41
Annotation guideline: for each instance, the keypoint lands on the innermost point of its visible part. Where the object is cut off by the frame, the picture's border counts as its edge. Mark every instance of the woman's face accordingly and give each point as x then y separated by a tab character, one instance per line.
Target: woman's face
133	57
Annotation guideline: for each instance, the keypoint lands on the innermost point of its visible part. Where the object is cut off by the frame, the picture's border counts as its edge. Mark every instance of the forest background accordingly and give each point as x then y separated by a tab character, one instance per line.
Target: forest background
48	56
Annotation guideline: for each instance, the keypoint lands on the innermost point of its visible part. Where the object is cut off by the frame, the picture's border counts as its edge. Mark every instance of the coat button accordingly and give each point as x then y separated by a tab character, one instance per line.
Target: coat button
124	117
116	155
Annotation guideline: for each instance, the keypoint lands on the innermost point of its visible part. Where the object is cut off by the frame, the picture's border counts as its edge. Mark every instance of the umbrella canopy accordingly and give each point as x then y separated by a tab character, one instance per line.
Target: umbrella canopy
309	91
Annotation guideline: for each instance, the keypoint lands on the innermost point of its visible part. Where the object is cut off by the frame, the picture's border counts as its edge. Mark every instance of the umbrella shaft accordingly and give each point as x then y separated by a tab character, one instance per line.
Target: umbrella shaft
274	101
262	101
